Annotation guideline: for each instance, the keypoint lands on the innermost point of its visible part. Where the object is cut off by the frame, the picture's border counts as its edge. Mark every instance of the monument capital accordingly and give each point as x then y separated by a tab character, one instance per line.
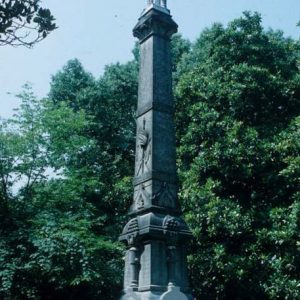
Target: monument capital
155	20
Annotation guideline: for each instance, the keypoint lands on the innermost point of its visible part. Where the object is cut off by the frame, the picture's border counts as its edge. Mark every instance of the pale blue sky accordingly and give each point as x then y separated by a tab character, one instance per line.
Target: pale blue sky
98	32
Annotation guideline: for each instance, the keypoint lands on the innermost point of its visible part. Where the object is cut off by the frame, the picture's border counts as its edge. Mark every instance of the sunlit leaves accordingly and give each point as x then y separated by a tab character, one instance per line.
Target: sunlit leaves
237	124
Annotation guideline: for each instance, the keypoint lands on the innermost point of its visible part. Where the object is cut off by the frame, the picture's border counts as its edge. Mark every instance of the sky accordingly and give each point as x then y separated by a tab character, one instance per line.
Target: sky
99	32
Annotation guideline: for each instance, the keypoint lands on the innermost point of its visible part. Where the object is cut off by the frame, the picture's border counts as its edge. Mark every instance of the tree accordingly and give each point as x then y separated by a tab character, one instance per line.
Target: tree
51	241
179	48
24	22
238	131
67	83
110	103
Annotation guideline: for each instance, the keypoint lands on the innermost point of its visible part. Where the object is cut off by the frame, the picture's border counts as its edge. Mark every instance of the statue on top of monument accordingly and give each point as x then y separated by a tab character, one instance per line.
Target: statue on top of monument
162	3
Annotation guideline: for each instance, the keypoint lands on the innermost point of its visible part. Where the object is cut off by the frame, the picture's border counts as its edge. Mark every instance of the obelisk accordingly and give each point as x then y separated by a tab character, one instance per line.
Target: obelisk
156	235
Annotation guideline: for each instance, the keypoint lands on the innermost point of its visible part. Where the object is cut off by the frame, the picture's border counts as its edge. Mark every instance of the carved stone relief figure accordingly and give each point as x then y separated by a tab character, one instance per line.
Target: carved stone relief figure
143	150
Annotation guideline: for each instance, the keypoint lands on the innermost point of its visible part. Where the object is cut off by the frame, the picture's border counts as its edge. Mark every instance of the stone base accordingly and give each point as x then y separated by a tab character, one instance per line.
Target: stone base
173	293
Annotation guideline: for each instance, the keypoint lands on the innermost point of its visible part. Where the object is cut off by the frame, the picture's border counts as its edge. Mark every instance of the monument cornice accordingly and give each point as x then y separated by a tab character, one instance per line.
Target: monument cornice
157	226
155	22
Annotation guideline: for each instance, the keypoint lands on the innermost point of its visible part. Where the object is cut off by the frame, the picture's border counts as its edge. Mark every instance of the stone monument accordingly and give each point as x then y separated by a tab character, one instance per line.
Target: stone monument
156	235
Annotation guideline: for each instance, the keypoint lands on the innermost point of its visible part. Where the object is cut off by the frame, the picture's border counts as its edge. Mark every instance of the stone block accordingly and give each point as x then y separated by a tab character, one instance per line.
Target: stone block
173	293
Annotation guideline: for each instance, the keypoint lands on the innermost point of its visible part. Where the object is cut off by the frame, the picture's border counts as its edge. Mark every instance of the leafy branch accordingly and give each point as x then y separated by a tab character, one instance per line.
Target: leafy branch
24	23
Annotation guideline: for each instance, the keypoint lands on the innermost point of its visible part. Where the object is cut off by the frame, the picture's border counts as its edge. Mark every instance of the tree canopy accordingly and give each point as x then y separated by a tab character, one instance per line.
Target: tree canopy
238	105
24	22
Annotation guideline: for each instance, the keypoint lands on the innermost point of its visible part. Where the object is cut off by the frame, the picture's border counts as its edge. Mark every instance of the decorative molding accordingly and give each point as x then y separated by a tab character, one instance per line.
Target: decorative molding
171	227
132	231
141	197
174	292
156	175
157	106
153	22
131	238
133	226
171	224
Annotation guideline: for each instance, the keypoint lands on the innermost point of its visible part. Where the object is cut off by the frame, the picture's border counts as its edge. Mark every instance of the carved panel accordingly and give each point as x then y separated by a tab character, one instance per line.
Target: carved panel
142	197
133	225
131	231
171	227
166	196
171	224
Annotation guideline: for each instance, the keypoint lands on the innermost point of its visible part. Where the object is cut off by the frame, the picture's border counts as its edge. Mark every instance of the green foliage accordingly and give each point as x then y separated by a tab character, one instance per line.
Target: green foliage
68	82
179	49
24	22
238	131
52	241
110	103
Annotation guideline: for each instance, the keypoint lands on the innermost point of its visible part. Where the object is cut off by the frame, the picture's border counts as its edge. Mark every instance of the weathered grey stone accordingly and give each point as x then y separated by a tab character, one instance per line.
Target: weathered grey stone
158	4
130	295
173	293
156	235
